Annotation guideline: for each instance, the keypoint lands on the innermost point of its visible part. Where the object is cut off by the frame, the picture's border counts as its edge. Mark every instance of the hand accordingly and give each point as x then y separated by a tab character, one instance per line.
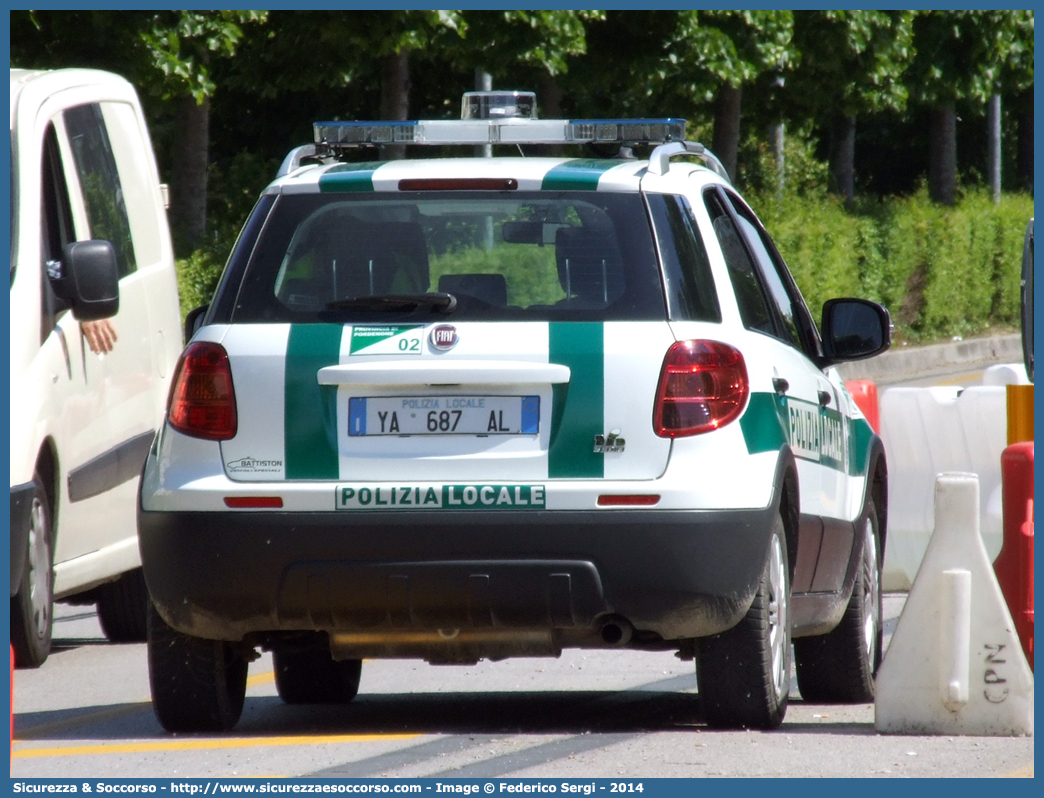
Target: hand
100	335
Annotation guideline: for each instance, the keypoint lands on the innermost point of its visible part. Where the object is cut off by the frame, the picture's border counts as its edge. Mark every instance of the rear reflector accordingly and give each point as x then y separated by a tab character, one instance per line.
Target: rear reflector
640	500
458	184
251	502
703	386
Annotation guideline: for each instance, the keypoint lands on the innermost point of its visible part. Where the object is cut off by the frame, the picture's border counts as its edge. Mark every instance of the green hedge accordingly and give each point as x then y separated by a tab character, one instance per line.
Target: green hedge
941	271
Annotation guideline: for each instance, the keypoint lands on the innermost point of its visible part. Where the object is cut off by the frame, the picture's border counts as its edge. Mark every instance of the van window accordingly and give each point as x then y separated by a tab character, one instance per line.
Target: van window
56	228
103	196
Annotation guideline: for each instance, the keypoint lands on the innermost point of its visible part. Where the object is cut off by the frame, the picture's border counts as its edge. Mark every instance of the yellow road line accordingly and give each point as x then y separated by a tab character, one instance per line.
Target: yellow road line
205	745
112	713
261	678
1025	772
963	379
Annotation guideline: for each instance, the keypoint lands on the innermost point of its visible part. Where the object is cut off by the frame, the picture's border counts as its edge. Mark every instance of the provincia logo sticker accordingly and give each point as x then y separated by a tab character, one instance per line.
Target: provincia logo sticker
386	340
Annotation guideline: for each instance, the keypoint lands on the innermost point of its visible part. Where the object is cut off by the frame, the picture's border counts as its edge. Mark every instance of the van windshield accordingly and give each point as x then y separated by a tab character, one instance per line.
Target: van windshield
498	256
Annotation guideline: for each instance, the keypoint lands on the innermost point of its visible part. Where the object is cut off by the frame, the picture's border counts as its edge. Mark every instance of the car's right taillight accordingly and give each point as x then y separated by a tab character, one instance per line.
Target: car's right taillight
202	400
703	386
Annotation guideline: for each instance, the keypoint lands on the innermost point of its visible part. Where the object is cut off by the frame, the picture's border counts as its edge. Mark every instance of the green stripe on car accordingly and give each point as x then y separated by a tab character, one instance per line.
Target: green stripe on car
860	433
577	407
581	174
310	409
349	177
764	423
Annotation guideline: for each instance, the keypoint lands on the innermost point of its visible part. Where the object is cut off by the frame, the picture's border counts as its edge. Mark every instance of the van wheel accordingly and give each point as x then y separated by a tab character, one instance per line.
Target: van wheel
123	608
839	667
32	606
197	685
311	676
743	674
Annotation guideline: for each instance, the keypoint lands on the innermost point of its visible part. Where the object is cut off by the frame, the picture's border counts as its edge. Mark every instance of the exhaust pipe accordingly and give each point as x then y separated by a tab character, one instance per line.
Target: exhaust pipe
616	631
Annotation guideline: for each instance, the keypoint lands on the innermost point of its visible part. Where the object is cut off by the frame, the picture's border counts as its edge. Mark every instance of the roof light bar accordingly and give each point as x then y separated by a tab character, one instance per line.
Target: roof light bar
498	105
511	130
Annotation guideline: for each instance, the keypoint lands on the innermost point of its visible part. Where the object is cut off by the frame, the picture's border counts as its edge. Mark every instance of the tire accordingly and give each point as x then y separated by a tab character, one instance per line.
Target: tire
123	608
839	667
743	674
197	685
311	676
32	606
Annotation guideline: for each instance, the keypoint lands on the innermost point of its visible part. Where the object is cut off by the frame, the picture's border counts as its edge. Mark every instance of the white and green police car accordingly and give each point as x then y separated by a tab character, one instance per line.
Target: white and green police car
466	408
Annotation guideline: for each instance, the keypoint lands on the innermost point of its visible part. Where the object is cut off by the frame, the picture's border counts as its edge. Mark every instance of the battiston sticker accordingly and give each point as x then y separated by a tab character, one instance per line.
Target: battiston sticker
386	340
388	496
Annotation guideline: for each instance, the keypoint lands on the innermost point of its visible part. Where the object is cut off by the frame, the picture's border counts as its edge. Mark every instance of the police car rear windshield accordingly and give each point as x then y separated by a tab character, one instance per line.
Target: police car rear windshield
504	256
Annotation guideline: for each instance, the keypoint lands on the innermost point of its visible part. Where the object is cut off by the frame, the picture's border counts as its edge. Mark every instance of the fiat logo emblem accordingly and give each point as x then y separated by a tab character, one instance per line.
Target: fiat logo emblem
444	337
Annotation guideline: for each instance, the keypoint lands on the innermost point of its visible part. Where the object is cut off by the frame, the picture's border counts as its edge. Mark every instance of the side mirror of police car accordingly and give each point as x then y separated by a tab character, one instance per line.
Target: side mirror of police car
854	329
90	279
194	320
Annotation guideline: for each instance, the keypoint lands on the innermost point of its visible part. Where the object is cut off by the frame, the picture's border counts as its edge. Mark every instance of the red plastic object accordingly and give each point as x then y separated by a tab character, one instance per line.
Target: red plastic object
864	392
1014	564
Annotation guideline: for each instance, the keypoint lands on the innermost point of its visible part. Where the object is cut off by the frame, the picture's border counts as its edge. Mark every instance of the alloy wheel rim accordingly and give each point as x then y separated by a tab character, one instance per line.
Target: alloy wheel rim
777	616
870	592
39	570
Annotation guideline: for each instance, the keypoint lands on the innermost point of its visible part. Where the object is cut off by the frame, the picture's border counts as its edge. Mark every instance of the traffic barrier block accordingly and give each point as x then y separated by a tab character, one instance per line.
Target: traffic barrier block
864	394
1006	374
1014	565
954	665
926	432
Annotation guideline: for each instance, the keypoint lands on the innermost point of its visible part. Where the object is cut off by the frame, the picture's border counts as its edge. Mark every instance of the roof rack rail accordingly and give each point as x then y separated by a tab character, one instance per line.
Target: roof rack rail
297	157
660	158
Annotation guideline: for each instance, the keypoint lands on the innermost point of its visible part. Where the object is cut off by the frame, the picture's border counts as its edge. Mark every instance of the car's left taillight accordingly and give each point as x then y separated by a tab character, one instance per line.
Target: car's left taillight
202	399
703	386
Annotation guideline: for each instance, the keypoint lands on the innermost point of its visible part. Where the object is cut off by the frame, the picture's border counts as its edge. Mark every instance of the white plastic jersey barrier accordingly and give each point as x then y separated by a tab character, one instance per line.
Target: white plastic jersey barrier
926	432
1006	374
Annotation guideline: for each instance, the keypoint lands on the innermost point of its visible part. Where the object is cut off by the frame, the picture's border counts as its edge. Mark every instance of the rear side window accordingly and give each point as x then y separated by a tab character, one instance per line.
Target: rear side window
100	182
502	255
753	307
691	295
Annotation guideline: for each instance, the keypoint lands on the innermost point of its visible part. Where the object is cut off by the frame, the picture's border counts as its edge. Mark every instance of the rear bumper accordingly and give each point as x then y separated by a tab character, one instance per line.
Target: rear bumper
676	574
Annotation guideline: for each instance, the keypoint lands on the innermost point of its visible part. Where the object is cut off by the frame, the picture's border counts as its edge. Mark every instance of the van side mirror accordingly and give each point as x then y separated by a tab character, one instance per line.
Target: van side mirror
194	320
854	329
90	280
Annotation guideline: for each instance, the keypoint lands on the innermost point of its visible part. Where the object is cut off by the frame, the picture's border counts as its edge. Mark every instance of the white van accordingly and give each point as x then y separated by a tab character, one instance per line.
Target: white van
89	242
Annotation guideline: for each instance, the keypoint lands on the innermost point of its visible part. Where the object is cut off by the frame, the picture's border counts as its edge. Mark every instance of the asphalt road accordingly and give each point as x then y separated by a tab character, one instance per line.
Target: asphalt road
616	714
607	714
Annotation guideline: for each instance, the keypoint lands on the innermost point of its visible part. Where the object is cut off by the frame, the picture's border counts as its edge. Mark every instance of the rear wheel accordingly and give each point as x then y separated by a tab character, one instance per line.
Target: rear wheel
839	667
123	608
32	606
309	675
197	685
743	674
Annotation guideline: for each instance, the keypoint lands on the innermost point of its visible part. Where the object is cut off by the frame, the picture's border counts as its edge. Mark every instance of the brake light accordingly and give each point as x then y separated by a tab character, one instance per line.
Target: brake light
458	184
202	399
703	386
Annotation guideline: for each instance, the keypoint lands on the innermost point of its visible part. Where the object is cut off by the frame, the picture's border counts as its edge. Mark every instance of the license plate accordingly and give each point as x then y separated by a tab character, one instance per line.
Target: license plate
443	415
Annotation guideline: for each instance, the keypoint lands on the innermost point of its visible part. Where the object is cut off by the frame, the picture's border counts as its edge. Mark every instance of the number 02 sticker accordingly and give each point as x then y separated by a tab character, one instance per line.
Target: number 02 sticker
386	340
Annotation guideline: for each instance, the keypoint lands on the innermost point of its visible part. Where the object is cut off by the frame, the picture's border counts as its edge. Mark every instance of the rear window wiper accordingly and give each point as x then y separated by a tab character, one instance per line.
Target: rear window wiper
442	302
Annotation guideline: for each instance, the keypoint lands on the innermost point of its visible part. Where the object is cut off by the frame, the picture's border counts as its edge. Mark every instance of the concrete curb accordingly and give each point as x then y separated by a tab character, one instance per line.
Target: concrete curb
916	361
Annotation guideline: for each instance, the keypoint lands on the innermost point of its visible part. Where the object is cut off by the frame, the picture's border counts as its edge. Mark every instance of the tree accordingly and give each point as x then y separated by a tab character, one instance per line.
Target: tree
959	56
167	53
721	51
181	46
849	63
